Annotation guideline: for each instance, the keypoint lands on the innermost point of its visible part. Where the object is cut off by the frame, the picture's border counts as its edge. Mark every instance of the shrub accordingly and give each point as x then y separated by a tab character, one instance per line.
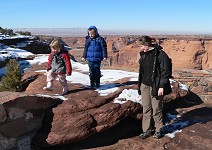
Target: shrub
12	80
6	31
27	33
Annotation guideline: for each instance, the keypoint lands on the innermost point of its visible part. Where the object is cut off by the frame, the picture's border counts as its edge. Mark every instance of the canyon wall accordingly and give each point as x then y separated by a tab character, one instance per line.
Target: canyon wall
189	53
186	52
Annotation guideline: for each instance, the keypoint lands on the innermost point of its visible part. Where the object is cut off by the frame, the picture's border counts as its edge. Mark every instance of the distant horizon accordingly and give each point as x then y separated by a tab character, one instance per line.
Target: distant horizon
134	17
82	31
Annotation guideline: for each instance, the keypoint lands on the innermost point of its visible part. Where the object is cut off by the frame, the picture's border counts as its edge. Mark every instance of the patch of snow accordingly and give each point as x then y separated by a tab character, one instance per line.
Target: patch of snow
107	91
41	71
128	94
114	75
78	77
181	86
172	135
19	52
79	66
42	58
55	96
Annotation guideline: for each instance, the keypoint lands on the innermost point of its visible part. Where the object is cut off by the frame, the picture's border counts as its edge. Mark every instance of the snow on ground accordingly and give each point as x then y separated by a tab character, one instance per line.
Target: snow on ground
41	58
108	76
128	94
172	135
14	53
55	96
78	77
175	123
181	86
114	75
20	52
17	36
107	88
80	67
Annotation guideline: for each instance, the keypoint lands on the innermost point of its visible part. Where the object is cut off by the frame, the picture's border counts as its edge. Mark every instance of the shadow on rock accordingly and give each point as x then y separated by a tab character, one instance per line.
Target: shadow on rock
45	129
191	99
126	128
175	122
113	85
78	90
27	81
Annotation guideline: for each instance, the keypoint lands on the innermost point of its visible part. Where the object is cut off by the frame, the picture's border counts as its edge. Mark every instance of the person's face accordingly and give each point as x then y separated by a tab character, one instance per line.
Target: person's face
55	50
144	48
92	34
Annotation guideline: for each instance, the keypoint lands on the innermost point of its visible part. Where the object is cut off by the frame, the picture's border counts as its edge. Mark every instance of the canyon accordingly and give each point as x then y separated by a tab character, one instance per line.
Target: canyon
95	122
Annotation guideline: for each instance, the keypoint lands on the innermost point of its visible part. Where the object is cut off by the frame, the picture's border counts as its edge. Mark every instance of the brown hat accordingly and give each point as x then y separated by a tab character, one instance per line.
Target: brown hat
145	40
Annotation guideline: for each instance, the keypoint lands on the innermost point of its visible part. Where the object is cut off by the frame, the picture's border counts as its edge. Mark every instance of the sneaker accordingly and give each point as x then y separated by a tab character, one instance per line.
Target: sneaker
47	89
158	135
145	135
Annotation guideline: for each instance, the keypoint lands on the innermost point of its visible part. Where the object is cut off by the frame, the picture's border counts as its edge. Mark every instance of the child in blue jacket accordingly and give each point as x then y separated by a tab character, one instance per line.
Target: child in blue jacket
95	51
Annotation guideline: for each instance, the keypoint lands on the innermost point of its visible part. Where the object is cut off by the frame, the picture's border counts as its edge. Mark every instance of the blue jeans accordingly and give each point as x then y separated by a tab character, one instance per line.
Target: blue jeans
94	69
95	73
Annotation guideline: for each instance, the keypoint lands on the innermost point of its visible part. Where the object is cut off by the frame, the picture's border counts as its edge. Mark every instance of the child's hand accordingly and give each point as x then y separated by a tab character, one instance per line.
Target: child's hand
83	59
104	58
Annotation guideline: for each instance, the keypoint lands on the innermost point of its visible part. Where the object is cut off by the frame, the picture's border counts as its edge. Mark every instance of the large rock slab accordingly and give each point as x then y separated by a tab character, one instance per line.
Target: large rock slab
84	112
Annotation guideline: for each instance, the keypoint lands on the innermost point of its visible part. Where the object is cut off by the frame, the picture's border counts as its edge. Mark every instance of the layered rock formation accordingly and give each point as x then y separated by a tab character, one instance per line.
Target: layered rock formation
82	114
190	52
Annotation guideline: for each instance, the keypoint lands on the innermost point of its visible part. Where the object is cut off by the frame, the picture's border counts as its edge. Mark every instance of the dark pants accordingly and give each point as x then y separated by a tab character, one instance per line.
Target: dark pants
95	73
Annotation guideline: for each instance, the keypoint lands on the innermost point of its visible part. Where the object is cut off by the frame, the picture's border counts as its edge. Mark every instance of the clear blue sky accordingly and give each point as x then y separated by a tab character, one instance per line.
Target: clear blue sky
153	15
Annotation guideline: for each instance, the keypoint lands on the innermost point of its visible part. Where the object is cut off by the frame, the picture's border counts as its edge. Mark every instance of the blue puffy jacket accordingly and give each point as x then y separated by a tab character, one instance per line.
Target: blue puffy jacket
96	48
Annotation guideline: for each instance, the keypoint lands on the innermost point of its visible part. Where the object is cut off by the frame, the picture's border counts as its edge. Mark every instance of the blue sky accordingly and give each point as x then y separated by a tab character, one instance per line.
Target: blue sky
188	16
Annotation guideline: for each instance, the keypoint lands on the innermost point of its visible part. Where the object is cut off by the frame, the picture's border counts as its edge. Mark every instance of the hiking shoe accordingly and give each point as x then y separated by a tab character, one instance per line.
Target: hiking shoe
145	135
47	89
158	135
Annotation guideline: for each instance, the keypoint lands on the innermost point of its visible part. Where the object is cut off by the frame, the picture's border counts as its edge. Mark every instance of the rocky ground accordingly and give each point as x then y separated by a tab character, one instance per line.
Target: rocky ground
118	127
85	120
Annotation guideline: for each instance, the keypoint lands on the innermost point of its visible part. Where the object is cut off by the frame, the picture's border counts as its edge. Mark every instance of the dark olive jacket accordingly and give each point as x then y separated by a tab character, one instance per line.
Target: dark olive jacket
160	71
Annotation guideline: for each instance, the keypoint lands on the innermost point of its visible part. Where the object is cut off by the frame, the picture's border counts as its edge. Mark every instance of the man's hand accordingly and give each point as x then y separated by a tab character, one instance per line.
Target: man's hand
104	59
83	59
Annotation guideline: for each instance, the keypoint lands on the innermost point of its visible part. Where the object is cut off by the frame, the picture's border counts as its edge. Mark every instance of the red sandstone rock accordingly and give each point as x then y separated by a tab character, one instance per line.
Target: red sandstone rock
3	115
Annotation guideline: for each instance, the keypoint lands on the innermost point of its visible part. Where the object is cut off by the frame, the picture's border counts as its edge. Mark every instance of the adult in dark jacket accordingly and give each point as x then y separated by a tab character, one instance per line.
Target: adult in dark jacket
153	84
94	52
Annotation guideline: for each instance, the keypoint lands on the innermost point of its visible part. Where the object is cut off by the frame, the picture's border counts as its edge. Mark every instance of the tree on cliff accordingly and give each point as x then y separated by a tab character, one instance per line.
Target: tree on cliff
27	33
6	31
12	80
